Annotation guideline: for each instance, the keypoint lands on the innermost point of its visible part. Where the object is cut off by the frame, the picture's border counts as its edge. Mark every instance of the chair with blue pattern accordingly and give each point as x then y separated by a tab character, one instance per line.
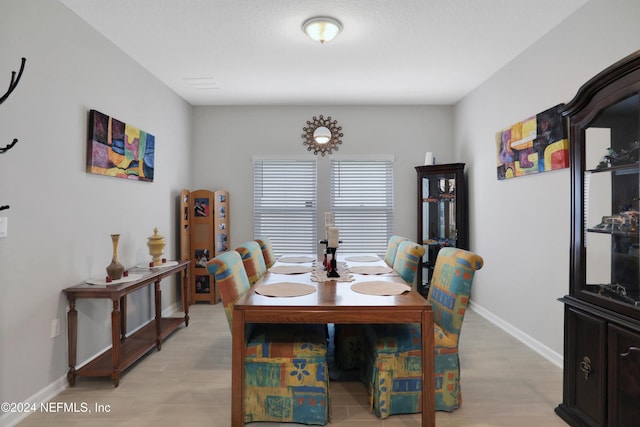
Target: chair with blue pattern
392	249
286	373
393	351
267	251
404	256
253	261
408	260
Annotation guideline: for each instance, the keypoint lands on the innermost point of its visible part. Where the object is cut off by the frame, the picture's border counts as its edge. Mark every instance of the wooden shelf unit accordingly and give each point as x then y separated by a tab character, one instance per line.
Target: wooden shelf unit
125	350
204	233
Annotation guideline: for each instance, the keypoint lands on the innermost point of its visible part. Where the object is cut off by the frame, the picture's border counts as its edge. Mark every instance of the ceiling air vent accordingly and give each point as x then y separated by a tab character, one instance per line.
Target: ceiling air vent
203	83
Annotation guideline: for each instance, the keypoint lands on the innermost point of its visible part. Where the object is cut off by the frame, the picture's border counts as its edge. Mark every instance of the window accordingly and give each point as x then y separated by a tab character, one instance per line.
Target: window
285	204
362	201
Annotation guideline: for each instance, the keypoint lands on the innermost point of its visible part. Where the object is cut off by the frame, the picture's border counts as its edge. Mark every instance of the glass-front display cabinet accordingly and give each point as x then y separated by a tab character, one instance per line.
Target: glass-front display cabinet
602	310
442	215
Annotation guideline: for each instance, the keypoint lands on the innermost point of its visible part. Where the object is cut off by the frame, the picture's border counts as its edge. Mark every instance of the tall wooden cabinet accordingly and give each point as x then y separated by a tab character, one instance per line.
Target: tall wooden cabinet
602	311
442	215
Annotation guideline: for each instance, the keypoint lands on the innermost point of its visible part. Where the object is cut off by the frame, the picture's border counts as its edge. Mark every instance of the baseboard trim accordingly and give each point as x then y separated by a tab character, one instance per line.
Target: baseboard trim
552	356
10	419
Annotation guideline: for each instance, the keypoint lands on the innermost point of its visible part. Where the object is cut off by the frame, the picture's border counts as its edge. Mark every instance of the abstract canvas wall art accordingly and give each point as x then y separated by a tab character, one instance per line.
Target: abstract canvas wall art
536	144
118	149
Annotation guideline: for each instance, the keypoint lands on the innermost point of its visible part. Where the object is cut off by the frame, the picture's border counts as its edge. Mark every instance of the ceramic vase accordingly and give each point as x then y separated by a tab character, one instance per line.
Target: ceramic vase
156	245
115	269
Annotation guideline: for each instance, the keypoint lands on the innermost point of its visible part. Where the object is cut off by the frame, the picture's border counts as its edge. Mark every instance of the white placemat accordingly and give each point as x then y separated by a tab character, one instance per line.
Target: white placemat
373	269
284	289
363	258
296	259
380	288
102	281
290	269
163	265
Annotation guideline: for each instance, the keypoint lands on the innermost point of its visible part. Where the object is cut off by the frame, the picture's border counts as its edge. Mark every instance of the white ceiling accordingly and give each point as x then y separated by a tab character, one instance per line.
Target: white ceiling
253	52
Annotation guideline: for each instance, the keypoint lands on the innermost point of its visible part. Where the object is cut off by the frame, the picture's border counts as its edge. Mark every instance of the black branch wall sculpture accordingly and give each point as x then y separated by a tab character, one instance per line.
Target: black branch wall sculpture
12	85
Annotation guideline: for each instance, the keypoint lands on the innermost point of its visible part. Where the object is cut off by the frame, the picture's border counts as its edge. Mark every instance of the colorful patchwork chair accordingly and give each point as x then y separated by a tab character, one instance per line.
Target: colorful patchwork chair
393	365
408	260
392	249
348	339
286	374
253	261
267	251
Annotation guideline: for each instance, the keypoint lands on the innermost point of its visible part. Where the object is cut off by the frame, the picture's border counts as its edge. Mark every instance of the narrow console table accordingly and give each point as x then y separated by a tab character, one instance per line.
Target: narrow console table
125	350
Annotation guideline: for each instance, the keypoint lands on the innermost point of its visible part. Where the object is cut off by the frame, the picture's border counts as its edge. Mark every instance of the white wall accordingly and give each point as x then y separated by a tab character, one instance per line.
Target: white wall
225	138
60	216
521	226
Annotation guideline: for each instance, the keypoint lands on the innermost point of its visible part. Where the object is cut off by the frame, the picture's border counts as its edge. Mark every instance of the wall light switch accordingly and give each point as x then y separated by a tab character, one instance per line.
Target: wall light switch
3	226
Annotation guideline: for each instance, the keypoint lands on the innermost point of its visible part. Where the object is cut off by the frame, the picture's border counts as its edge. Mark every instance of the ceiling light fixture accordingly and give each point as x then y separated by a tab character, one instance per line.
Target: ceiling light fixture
322	28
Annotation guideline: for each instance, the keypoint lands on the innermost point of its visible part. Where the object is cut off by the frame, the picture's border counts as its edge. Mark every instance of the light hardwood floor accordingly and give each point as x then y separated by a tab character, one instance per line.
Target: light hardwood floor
504	384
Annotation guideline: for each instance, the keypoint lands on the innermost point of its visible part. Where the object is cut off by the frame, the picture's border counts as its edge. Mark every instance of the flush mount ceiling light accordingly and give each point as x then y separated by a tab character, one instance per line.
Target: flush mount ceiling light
322	28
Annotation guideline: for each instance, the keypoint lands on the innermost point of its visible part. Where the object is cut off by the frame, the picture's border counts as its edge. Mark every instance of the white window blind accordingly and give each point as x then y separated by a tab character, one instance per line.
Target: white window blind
362	201
285	204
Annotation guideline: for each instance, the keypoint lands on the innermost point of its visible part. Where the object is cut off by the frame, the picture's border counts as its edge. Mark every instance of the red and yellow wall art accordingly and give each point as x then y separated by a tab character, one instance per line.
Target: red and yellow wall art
119	149
536	144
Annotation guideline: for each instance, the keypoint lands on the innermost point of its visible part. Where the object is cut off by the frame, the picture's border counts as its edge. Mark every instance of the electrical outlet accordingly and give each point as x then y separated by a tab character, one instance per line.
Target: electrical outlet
55	328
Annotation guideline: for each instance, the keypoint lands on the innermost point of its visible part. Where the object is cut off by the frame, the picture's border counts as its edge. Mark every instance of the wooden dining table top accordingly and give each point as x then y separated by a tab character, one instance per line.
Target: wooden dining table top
334	295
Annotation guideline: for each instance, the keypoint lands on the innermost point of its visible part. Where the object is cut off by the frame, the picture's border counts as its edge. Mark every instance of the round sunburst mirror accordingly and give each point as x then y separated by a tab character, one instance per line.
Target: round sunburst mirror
322	135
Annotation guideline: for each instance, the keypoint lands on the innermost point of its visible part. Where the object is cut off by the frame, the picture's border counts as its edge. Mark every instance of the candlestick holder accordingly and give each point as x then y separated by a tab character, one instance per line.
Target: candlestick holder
333	265
330	263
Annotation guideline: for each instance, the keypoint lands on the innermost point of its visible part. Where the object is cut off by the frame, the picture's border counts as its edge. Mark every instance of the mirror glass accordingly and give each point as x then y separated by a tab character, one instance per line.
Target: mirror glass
322	135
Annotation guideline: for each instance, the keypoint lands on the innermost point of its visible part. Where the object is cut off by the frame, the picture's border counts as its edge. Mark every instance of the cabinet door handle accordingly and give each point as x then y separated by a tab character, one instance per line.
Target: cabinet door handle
585	367
629	351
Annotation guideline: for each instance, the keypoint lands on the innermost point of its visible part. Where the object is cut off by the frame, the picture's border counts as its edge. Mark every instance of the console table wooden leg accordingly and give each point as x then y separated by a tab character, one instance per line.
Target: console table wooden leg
72	338
115	342
185	295
158	294
123	317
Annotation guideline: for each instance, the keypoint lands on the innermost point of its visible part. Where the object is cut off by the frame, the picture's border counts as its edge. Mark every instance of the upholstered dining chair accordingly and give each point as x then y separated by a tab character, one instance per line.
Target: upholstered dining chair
267	251
393	365
348	339
253	261
392	249
408	259
286	373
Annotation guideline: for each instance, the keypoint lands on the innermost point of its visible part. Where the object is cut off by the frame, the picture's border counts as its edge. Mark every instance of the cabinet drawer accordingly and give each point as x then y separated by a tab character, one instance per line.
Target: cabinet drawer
624	377
587	381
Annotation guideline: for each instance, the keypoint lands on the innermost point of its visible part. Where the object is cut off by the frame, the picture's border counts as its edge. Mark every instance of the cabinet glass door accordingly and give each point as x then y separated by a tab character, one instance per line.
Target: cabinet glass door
610	212
438	218
442	214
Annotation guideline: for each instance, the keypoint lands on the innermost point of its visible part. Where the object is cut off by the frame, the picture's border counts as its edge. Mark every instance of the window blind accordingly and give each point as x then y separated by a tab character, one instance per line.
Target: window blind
285	204
362	201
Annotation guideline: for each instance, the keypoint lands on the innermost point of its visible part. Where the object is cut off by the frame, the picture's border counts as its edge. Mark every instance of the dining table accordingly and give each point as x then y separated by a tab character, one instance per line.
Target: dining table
296	289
